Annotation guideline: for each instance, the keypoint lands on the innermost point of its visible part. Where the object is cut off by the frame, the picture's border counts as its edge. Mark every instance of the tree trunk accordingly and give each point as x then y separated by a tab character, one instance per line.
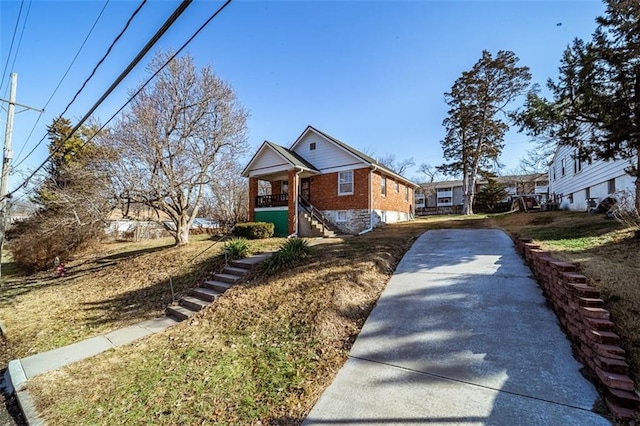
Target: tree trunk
637	199
467	193
467	206
182	231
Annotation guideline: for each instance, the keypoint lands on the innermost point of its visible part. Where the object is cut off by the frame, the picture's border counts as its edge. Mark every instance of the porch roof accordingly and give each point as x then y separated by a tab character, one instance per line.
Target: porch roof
291	161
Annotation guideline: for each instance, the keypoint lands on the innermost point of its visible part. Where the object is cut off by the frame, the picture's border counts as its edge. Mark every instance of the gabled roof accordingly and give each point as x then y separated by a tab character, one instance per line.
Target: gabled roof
287	155
360	155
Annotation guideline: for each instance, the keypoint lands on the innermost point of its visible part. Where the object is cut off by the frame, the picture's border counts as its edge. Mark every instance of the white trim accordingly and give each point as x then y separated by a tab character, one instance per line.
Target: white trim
353	183
311	129
270	209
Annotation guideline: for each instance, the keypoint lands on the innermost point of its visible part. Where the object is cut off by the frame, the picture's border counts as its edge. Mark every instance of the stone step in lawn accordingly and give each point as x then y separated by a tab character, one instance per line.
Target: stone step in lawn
206	294
178	312
218	286
227	278
230	270
193	303
250	262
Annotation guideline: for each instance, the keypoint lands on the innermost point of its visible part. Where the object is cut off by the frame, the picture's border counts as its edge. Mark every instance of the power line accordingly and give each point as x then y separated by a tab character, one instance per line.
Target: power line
13	37
24	24
64	76
113	43
174	16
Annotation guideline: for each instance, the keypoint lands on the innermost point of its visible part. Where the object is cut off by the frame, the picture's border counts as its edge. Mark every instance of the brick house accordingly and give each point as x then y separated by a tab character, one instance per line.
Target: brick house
321	186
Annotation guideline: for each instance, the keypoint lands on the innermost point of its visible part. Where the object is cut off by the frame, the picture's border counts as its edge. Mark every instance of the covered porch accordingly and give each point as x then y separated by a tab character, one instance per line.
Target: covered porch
279	199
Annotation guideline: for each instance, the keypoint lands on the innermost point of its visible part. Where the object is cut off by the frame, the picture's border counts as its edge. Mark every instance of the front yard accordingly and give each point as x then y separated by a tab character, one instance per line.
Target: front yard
267	349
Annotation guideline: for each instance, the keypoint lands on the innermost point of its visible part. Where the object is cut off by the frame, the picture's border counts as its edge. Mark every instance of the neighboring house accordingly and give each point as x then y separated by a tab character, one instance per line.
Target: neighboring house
449	193
322	183
573	183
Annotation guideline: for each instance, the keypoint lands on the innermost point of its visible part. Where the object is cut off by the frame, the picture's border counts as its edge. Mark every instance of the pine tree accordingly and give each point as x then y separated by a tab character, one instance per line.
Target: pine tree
476	124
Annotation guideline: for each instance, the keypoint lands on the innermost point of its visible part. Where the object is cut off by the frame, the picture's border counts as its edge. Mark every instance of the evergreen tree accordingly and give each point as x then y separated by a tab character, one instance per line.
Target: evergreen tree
475	126
596	100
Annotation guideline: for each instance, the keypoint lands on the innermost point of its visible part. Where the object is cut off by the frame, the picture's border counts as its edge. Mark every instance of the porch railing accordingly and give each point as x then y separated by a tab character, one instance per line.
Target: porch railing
274	200
317	214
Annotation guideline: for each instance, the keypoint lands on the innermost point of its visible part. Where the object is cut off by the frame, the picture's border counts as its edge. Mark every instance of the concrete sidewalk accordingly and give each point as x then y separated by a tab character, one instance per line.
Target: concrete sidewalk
20	370
460	335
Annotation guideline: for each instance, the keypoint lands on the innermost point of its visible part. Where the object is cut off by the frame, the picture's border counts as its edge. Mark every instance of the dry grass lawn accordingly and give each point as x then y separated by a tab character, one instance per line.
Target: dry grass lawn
116	285
266	350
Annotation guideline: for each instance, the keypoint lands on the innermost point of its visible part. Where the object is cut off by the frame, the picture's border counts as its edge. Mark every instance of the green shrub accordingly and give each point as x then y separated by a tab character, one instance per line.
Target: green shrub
254	230
236	248
290	253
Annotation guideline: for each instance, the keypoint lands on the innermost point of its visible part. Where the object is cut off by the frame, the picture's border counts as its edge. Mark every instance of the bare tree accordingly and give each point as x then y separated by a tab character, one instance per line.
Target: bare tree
429	173
229	197
398	166
177	136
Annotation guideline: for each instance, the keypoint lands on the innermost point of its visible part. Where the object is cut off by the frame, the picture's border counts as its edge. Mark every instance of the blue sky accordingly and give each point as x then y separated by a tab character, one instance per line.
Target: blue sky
371	73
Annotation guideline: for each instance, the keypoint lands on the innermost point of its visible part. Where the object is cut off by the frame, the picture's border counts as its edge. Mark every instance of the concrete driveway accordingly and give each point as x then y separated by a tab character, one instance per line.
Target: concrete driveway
461	335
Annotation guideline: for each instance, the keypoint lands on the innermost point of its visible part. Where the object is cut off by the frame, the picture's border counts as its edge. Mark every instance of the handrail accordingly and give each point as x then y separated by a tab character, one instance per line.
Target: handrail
316	214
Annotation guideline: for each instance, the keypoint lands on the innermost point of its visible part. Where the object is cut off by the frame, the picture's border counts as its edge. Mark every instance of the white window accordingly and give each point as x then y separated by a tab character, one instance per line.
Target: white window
562	167
406	193
345	183
397	186
285	187
383	186
342	216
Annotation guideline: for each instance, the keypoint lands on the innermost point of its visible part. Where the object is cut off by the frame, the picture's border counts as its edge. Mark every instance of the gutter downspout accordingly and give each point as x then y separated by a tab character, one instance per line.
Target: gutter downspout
373	169
296	189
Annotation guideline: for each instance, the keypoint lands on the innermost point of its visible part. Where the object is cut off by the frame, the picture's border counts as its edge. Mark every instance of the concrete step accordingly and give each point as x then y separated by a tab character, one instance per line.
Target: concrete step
230	270
250	262
218	286
205	294
227	278
179	312
193	303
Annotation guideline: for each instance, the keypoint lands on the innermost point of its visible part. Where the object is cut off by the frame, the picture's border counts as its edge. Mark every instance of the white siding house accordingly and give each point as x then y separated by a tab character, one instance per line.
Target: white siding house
572	182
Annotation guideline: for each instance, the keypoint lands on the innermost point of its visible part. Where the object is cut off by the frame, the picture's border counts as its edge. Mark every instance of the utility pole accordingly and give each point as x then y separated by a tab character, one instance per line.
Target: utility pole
6	160
6	163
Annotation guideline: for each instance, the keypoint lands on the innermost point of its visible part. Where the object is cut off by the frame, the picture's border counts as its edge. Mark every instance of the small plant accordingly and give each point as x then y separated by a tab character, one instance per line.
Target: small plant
626	212
254	230
236	248
290	253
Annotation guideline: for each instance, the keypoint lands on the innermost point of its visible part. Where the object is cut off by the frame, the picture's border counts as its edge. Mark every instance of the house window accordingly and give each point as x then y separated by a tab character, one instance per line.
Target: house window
587	193
553	170
406	193
383	186
577	165
562	168
312	146
570	197
285	187
345	183
342	216
397	186
611	184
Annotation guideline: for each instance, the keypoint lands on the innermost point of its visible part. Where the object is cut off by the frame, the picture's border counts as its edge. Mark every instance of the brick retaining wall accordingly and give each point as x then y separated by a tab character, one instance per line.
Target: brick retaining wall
580	311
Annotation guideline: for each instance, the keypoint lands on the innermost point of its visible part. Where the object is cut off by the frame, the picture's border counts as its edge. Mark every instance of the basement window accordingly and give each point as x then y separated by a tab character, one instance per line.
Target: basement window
342	216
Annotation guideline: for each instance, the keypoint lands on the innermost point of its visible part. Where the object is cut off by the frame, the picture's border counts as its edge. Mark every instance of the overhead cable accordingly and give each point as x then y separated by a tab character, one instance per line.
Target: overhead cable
113	43
174	16
13	37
